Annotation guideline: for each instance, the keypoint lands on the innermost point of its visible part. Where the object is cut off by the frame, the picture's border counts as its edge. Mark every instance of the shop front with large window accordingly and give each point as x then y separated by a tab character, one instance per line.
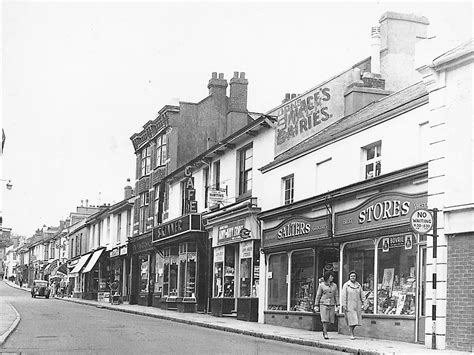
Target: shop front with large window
180	265
298	251
377	243
235	263
142	257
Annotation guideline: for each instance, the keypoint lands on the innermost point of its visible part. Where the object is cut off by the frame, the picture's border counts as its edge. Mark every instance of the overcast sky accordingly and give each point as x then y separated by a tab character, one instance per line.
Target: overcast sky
79	78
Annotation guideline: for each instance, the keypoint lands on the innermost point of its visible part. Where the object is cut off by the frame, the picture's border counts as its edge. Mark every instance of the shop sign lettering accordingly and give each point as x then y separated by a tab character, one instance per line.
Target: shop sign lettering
219	254
383	210
233	231
296	228
190	222
124	250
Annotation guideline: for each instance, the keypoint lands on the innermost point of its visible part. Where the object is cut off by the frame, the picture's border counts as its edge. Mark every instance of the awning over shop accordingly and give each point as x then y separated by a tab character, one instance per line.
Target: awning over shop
48	268
61	269
93	260
81	263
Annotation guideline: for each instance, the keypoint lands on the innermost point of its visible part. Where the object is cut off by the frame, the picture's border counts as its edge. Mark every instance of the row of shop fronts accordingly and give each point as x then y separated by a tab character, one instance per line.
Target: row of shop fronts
265	266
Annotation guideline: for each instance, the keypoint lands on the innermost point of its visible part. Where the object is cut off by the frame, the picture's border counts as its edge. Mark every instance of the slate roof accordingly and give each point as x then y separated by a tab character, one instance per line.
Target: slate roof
368	115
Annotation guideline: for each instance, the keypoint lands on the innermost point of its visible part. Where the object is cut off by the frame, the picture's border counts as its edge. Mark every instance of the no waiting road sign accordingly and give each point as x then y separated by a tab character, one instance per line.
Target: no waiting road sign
421	221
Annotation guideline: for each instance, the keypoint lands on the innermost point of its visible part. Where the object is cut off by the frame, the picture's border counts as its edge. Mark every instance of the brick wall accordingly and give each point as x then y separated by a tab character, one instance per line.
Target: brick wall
460	298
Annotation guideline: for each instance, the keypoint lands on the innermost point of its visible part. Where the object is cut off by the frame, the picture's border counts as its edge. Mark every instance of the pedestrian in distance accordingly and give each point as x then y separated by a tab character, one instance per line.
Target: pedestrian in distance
327	301
352	300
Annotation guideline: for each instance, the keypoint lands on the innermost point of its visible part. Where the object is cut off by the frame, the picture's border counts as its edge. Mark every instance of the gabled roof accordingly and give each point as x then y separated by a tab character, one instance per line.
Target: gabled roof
367	116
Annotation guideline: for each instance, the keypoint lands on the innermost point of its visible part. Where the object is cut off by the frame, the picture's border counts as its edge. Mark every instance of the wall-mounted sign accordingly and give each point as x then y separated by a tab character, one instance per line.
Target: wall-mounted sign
124	250
114	252
189	223
233	231
142	244
219	255
246	249
385	209
190	203
296	229
310	113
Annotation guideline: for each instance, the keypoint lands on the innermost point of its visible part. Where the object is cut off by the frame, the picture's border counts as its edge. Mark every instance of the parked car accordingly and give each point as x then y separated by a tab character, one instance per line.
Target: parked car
40	288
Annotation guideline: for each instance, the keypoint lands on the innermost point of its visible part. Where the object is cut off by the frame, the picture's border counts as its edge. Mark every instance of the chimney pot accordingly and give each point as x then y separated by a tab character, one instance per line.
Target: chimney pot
87	203
221	75
242	75
287	96
82	203
214	75
293	96
236	74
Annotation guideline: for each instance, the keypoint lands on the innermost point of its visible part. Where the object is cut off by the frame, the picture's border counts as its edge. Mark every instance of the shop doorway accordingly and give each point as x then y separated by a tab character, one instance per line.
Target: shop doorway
421	306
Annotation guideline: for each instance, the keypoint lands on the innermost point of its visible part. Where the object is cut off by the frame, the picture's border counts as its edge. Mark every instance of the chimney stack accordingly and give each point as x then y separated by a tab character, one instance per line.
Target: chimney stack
128	191
217	86
238	93
375	53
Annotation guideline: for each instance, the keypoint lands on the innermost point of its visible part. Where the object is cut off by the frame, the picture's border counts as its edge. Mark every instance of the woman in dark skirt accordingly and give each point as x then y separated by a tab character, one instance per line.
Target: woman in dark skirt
326	302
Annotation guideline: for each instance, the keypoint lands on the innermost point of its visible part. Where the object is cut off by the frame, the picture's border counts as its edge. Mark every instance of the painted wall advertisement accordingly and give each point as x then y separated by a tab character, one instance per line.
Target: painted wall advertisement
311	112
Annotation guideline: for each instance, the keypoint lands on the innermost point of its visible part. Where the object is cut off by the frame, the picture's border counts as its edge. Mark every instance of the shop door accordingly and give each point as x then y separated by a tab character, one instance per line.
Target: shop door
421	296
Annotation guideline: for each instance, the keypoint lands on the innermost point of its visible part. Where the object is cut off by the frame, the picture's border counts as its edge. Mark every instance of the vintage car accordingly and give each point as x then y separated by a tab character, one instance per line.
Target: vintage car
40	288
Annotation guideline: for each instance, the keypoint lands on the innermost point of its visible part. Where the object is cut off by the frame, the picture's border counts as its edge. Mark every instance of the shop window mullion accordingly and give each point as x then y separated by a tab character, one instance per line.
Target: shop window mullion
376	275
288	282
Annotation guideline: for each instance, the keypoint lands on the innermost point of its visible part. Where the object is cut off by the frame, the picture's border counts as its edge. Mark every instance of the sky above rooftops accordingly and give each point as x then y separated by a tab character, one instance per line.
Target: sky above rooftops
79	78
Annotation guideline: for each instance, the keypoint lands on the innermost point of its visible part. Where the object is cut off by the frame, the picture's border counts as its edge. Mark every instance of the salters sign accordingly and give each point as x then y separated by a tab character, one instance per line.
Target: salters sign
386	209
296	229
311	112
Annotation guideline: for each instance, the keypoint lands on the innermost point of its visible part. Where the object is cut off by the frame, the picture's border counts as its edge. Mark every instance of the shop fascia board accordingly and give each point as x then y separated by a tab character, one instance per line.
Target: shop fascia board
365	186
246	206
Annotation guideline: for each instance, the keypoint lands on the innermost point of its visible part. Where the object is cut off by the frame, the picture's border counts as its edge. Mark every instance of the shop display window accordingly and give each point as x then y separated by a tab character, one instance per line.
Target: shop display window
159	274
277	282
229	270
144	274
187	269
396	281
302	280
359	257
170	272
218	271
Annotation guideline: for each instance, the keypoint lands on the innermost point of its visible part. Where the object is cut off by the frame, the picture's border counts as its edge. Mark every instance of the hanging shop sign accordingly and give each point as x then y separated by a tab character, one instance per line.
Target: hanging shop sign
296	229
216	195
190	203
189	223
385	209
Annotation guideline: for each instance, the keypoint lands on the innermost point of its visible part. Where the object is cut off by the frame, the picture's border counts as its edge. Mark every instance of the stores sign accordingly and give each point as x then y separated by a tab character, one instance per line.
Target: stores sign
421	221
385	209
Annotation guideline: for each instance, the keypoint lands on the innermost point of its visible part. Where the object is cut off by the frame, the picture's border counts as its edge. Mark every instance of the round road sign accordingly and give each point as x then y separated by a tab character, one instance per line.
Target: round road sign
421	221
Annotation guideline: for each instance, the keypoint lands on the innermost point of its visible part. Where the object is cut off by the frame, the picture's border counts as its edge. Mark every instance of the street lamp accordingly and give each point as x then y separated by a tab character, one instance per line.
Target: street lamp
9	184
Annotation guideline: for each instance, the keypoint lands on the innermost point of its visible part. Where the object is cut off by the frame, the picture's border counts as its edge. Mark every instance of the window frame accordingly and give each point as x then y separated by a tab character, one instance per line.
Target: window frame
288	191
145	158
244	171
161	150
375	163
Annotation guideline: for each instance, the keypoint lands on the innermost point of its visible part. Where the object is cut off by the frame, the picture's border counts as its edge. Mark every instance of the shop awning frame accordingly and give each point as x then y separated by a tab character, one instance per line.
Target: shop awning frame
81	263
93	260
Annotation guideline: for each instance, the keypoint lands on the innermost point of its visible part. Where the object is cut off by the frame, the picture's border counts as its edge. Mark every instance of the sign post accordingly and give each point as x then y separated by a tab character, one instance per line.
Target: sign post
422	221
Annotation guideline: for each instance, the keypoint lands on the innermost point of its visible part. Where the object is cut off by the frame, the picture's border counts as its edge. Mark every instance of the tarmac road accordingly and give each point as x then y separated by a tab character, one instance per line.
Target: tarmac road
53	326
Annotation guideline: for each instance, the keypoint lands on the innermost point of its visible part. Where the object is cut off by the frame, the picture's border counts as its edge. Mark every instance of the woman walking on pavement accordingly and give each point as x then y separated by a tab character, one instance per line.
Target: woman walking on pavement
327	300
352	302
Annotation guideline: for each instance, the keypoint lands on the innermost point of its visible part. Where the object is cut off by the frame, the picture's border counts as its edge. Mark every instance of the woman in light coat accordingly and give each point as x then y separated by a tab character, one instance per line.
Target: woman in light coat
326	302
352	300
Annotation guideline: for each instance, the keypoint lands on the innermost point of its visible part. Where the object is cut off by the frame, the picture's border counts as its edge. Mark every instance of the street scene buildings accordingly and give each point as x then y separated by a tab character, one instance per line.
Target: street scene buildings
235	213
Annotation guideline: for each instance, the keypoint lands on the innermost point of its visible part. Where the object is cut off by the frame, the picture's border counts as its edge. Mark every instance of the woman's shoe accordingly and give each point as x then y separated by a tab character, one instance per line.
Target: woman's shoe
325	336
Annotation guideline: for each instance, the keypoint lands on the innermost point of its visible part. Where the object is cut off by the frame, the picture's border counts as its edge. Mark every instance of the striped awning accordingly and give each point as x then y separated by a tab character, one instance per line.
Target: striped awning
52	265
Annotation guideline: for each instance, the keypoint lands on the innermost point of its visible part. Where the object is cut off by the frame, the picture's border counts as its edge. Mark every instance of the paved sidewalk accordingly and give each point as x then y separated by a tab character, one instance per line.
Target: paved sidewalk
297	336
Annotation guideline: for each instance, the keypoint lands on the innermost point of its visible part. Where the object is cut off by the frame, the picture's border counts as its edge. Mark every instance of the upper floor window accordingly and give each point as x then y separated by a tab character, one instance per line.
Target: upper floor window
206	185
108	229
288	189
156	206
217	174
161	150
146	161
372	160
129	222
166	200
119	227
245	170
144	211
